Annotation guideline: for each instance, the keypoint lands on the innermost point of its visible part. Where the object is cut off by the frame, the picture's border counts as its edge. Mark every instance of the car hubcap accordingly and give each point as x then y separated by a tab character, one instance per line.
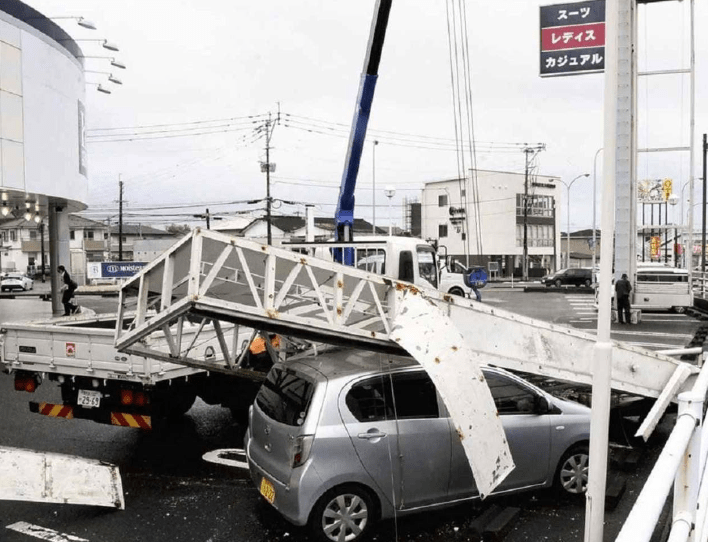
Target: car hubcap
574	473
345	518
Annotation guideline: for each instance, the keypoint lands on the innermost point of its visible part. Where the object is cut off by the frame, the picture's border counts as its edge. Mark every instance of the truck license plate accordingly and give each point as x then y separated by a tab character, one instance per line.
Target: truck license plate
267	490
89	399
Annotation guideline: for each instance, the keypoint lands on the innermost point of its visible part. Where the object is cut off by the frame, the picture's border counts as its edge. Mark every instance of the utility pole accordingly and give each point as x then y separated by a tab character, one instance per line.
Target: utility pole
205	216
41	244
525	262
267	168
120	219
529	152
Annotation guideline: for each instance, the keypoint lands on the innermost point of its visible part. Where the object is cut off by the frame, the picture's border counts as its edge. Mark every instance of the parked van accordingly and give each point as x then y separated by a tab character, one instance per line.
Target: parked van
658	287
340	440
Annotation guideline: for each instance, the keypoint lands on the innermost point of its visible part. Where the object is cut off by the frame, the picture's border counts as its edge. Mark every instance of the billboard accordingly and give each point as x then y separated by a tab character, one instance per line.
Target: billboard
654	190
109	270
572	38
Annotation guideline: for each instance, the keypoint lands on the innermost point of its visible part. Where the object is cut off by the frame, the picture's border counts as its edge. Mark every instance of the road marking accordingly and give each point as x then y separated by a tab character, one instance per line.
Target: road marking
658	346
43	533
231	457
653	334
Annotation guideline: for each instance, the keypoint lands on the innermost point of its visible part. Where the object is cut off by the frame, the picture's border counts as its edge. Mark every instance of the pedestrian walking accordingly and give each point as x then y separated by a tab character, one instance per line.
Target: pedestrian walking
68	288
622	290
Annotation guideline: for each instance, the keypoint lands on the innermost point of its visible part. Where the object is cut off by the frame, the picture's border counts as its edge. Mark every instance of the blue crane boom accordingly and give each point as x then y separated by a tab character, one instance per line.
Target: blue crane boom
344	216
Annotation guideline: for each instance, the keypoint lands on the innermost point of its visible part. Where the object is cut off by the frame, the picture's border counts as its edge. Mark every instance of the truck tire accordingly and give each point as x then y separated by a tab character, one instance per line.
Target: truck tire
457	291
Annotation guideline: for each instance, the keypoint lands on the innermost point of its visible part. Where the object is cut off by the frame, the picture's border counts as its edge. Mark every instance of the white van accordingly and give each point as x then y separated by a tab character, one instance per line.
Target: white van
658	286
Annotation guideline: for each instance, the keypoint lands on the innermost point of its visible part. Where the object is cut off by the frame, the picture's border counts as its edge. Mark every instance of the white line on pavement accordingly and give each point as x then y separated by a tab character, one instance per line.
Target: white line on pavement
231	457
43	533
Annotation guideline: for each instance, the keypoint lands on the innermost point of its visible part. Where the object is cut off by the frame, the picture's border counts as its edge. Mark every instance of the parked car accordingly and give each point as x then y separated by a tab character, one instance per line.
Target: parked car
574	276
16	281
340	440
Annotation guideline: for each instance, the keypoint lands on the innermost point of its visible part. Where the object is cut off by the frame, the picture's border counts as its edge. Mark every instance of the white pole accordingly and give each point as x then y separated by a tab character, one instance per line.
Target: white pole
373	189
594	213
567	233
600	416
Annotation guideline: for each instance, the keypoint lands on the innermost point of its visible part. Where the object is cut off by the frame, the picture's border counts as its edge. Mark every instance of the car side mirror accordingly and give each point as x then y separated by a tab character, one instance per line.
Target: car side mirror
542	406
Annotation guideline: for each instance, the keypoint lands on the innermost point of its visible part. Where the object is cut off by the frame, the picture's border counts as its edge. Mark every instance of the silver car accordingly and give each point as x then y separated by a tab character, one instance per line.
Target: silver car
340	440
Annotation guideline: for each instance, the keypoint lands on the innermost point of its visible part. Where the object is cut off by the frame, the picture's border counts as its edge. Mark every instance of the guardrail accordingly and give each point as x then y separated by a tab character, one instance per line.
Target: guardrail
681	465
700	283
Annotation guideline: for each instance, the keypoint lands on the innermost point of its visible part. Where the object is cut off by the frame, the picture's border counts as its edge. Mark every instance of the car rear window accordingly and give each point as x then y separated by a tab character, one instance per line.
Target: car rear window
285	396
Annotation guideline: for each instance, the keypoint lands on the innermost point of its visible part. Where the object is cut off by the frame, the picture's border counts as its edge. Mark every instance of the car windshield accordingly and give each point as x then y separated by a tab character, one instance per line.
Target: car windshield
285	396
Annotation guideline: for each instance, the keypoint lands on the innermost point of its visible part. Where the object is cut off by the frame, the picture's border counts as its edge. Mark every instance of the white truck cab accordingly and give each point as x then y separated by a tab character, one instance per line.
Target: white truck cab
404	258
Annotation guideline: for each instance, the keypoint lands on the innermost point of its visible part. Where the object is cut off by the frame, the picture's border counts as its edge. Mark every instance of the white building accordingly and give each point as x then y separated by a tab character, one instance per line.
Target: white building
484	218
22	243
43	156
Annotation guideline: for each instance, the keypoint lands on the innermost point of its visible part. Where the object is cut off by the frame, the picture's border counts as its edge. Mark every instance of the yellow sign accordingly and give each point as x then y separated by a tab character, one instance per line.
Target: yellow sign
655	247
667	187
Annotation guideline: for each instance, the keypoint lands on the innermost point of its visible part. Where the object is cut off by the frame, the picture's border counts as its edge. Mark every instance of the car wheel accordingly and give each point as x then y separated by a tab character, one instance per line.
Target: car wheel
457	291
572	473
344	513
678	310
558	283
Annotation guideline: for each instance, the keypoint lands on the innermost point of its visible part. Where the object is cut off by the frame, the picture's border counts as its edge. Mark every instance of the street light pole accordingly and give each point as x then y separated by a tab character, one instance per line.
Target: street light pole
390	192
594	206
567	234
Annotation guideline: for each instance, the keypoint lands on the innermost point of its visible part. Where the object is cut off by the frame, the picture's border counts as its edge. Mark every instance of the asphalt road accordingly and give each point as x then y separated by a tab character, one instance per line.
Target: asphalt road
172	493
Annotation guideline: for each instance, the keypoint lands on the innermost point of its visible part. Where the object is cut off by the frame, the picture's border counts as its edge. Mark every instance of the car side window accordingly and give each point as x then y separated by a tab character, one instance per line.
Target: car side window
371	400
415	396
510	397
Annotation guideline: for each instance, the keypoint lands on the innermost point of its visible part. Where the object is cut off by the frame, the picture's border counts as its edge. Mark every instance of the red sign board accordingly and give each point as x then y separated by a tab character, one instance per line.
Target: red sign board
572	38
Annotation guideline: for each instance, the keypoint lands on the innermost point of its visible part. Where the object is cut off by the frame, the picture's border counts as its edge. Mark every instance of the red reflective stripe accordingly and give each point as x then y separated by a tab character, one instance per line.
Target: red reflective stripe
118	419
131	420
56	411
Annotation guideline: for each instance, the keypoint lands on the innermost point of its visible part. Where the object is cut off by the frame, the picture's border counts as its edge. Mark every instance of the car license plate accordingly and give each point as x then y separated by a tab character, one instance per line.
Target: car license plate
267	490
89	399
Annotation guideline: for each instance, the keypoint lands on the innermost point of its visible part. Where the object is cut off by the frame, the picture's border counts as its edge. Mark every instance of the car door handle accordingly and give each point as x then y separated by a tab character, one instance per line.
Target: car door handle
371	435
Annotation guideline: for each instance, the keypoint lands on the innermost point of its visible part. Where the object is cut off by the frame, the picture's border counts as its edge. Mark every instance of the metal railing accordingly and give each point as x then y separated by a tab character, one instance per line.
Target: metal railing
681	465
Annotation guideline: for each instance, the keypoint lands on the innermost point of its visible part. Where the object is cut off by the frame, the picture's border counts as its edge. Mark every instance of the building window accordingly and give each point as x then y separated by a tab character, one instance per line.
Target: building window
13	235
33	234
442	230
89	234
442	200
538	205
105	235
4	236
72	235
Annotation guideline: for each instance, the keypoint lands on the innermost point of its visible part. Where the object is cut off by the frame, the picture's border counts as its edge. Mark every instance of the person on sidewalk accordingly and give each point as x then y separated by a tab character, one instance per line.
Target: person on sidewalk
622	290
68	289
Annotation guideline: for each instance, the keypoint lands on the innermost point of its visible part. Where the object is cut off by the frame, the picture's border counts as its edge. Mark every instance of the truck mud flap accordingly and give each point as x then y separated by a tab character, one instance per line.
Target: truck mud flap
139	421
27	475
50	409
123	419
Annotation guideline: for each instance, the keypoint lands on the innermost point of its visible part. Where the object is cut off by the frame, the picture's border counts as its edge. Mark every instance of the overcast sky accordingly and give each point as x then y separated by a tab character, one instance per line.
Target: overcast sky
235	62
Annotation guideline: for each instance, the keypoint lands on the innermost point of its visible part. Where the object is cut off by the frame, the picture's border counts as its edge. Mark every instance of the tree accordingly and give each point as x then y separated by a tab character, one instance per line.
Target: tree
176	229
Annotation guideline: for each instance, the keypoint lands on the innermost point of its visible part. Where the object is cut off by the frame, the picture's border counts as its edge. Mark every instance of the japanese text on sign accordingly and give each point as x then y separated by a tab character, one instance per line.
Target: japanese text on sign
573	38
654	191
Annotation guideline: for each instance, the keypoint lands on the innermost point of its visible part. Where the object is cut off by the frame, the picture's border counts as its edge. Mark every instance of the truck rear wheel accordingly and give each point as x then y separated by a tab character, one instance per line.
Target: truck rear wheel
457	291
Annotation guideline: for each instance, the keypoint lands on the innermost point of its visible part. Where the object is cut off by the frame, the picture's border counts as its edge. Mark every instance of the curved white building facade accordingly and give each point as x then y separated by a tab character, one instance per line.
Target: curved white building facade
42	116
